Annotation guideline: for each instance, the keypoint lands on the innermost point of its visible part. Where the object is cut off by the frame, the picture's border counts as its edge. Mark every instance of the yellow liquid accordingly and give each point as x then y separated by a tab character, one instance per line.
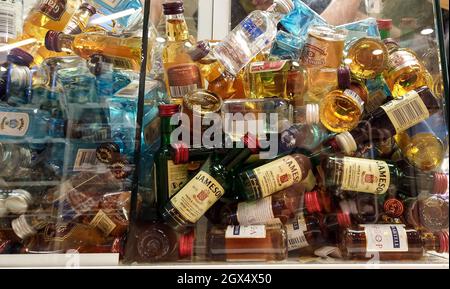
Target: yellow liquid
367	58
423	150
340	112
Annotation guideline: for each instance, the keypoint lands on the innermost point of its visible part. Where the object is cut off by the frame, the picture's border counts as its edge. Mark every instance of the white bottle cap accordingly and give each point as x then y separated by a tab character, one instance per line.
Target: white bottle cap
312	114
347	143
287	4
18	202
22	229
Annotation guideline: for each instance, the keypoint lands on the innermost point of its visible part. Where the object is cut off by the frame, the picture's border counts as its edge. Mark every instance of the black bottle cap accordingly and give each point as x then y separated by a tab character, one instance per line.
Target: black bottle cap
51	40
173	8
20	57
200	51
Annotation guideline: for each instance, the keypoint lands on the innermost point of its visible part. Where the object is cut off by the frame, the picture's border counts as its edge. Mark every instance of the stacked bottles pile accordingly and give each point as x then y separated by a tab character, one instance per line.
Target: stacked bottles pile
68	91
356	173
331	140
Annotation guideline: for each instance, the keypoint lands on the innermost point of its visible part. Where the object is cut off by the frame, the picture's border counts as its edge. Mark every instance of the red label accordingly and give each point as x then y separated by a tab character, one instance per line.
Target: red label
268	66
53	8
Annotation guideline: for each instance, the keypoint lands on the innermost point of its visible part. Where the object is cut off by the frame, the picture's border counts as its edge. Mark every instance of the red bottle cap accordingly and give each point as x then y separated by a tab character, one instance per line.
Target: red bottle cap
173	8
51	40
186	245
443	242
168	110
181	153
440	183
384	24
312	203
344	219
251	142
344	78
394	208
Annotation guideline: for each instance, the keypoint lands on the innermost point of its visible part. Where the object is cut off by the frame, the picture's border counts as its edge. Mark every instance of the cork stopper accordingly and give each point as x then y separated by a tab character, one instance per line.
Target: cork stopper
346	143
440	183
312	114
173	8
168	110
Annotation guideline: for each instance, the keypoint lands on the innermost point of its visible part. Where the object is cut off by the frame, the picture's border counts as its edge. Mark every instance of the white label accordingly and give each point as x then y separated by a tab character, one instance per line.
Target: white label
177	175
246	232
8	17
14	123
367	176
197	196
406	111
278	175
86	159
255	213
386	238
296	234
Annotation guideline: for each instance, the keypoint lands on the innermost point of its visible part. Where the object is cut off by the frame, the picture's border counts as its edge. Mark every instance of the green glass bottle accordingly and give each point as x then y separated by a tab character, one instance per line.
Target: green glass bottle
201	192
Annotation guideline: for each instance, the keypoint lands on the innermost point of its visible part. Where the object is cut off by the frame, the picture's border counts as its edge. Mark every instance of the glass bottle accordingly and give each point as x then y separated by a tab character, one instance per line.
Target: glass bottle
429	212
182	74
247	243
133	8
305	234
390	242
200	193
385	27
79	21
124	51
275	176
251	36
367	58
377	177
282	206
394	117
404	72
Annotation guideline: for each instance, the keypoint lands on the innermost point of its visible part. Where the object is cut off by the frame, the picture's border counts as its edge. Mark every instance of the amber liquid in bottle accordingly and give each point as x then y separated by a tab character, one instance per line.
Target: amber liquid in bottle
367	58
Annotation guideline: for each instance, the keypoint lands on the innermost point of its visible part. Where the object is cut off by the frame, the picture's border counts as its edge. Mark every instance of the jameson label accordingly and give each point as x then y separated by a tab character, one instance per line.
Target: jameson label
246	232
183	79
401	59
177	175
296	234
267	66
406	111
386	238
14	123
255	213
366	176
54	9
276	176
197	196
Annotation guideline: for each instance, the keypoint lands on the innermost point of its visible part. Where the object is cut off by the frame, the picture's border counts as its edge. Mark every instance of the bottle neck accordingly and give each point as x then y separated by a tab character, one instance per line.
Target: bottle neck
166	131
78	22
278	11
235	158
176	28
65	42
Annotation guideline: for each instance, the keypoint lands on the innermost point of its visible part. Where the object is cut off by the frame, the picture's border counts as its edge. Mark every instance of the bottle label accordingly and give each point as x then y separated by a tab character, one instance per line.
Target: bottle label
103	223
8	25
386	238
246	232
315	53
401	59
406	111
255	213
267	66
177	175
296	234
251	29
277	175
54	9
85	160
197	196
183	79
366	176
14	123
376	99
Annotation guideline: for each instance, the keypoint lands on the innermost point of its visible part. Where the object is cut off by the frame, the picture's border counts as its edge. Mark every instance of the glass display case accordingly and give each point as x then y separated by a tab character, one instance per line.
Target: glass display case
277	133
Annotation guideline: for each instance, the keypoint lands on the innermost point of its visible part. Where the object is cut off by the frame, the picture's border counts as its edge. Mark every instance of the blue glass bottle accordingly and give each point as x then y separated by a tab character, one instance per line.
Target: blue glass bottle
298	21
108	7
79	85
363	28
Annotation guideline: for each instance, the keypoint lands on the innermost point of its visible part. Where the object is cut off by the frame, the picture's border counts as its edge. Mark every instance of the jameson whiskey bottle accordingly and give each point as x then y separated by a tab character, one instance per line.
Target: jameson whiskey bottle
390	242
272	177
377	177
182	74
393	118
198	195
